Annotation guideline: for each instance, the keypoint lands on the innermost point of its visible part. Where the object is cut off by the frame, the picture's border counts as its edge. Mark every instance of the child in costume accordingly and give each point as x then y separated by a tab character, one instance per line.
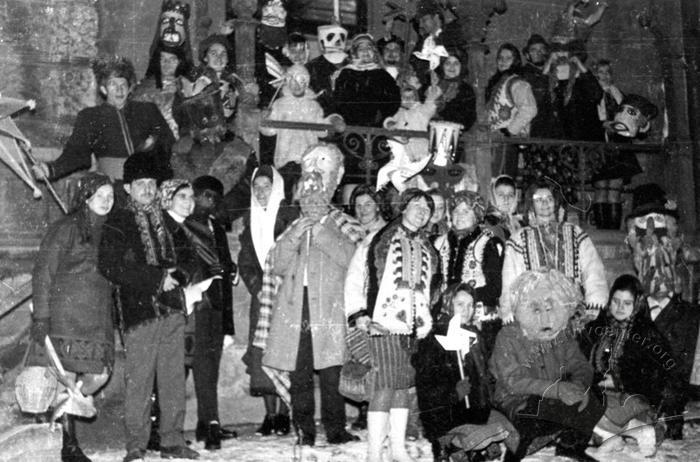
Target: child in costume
297	104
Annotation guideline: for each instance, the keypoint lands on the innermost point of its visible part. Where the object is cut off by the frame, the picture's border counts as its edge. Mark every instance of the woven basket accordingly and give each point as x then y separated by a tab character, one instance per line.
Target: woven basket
35	389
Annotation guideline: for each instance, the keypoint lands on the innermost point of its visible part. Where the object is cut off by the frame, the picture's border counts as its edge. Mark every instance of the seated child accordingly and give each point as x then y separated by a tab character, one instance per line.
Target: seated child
440	387
543	381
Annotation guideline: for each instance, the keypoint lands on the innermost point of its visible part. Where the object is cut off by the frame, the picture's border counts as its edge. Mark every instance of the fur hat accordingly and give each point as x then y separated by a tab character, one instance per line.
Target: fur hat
141	165
533	40
426	7
207	182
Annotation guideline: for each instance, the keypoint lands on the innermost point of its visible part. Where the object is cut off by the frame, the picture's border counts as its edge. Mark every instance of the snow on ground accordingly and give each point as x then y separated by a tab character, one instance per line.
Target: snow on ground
250	448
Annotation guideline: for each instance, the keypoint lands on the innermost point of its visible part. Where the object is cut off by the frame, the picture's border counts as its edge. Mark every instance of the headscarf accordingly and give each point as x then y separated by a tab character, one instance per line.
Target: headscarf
262	219
90	223
473	200
168	189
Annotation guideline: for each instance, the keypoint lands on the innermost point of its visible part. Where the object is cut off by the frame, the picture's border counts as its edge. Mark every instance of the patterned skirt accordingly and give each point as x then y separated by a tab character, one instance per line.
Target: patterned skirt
391	357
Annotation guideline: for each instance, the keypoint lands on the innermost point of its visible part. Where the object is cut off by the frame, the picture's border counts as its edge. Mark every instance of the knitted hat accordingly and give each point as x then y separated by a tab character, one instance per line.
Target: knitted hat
88	185
207	182
141	165
168	189
651	198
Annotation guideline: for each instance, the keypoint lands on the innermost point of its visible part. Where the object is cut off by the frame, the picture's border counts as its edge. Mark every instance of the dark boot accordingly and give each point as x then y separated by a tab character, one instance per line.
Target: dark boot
615	217
361	422
71	452
598	217
282	424
267	427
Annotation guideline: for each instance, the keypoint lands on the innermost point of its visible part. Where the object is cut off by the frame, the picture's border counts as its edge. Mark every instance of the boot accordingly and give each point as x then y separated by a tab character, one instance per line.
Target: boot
598	217
376	434
71	452
398	418
361	422
615	217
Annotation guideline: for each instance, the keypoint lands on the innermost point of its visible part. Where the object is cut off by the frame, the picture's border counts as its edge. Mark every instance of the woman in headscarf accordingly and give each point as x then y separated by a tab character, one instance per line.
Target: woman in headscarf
634	366
394	309
73	301
269	216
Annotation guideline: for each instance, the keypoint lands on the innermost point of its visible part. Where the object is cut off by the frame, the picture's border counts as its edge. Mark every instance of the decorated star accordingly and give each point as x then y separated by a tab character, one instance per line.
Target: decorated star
457	339
431	52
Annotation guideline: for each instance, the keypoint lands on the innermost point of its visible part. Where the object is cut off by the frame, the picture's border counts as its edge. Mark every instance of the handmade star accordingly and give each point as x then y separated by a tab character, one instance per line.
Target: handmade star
431	52
457	339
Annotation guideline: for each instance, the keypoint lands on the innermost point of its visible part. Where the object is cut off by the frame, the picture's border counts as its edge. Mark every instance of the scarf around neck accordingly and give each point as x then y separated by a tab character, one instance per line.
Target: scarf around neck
149	219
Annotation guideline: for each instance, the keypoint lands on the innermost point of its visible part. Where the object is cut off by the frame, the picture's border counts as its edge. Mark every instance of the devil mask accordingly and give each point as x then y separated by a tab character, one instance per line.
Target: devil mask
173	23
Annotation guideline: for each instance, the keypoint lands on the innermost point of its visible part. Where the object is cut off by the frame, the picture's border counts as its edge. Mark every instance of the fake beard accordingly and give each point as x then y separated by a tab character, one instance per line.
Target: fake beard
655	254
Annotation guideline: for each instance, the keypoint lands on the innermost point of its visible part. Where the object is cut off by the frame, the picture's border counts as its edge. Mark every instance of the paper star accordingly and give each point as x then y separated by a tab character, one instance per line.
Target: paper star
457	339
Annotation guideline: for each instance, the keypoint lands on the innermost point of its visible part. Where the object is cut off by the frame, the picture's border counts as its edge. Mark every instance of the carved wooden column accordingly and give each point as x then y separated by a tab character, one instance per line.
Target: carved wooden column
245	27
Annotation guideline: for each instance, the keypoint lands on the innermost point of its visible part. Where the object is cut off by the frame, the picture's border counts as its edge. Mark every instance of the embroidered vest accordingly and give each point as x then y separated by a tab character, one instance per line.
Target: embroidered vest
567	252
500	109
472	270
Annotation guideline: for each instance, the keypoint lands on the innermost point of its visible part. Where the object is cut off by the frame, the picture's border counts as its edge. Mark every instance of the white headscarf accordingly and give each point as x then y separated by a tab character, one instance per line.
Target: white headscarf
262	219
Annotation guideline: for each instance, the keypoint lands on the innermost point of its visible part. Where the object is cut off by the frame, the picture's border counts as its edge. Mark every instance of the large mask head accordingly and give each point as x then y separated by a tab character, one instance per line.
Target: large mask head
202	116
333	39
652	234
544	302
312	196
633	116
173	23
327	161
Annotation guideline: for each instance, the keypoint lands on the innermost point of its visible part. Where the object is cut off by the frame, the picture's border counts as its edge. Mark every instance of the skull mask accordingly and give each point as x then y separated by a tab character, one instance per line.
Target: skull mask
332	39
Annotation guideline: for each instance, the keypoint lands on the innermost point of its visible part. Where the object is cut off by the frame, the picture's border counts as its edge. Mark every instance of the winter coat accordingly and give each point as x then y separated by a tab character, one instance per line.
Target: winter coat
578	119
524	367
326	260
459	108
366	97
214	244
321	71
122	260
511	105
74	297
437	373
98	131
646	366
539	83
248	264
678	322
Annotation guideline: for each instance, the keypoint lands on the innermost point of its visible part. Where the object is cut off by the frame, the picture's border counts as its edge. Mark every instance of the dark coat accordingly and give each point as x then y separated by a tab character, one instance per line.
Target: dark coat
213	257
320	72
579	118
461	109
539	82
122	260
366	97
437	373
97	131
646	366
678	323
525	367
75	298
